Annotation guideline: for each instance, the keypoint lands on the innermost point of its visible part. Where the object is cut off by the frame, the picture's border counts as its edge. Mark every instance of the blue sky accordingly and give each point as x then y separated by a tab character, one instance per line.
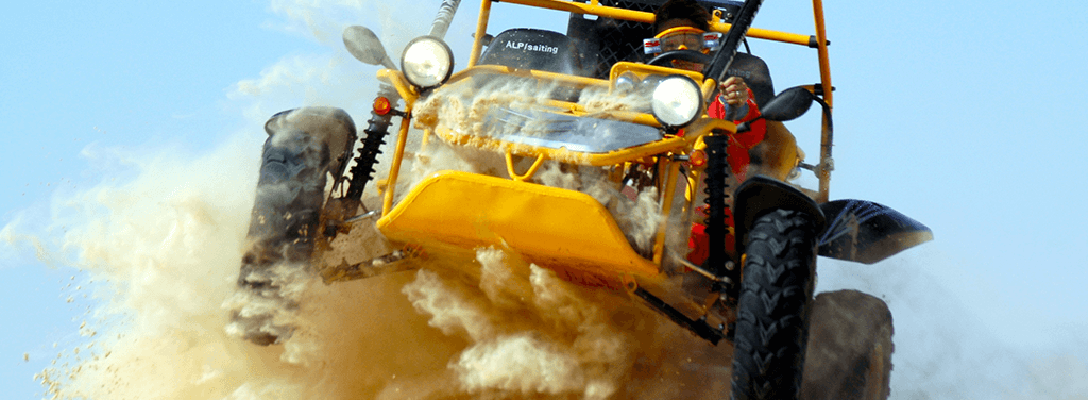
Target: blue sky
967	117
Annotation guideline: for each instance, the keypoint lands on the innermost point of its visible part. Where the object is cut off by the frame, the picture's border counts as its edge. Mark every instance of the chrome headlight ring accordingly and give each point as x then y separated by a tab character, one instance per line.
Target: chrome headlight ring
626	83
427	62
676	101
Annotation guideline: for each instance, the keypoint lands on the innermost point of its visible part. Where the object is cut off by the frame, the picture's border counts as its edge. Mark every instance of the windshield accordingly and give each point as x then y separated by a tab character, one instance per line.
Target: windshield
537	113
562	131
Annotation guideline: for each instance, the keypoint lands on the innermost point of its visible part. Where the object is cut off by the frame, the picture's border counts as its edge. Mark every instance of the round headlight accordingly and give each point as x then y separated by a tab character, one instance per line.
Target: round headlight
676	101
427	61
626	83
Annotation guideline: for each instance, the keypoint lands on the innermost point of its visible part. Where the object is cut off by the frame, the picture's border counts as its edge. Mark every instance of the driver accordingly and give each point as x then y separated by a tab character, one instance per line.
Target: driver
683	25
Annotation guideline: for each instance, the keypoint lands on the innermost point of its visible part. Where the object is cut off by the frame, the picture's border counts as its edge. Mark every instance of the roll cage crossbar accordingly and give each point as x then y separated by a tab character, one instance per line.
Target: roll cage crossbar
593	7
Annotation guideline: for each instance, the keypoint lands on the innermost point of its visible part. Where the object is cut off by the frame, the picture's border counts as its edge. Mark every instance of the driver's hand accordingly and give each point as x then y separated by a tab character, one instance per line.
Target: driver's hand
734	91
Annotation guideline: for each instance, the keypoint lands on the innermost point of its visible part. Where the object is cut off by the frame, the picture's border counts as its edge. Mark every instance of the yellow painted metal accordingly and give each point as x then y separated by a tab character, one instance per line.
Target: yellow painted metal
594	8
481	31
543	76
821	50
533	220
528	174
824	174
671	178
784	37
674	144
704	125
564	155
398	158
396	78
469	211
708	88
629	116
642	71
638	118
426	139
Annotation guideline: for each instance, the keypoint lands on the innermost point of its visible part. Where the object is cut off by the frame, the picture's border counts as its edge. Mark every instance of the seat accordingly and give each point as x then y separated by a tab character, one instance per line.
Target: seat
534	49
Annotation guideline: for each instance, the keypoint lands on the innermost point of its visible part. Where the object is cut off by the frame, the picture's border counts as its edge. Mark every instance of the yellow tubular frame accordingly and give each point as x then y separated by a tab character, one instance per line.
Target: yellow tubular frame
481	31
824	174
594	8
398	157
547	76
668	191
673	144
670	144
528	174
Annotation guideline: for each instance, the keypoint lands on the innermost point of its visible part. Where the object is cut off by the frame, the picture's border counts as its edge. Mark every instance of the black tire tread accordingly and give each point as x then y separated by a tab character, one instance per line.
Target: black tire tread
770	332
295	163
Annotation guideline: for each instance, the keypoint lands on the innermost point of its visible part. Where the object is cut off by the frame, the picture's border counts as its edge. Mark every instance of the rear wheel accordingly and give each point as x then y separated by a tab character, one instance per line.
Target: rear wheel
771	327
849	356
303	147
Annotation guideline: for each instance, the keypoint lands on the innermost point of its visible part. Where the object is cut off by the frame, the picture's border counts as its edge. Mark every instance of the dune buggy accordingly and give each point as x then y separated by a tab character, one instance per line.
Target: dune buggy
632	129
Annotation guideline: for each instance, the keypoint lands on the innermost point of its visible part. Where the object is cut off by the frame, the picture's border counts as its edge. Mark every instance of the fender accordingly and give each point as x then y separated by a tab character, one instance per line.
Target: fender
867	232
858	230
759	195
330	126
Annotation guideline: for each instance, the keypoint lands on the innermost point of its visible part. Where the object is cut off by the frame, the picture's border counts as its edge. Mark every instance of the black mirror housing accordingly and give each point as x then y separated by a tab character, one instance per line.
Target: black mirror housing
790	104
365	46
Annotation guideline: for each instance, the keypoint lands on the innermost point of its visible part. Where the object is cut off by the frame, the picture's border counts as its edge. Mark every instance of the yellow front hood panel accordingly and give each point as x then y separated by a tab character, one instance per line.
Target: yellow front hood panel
563	230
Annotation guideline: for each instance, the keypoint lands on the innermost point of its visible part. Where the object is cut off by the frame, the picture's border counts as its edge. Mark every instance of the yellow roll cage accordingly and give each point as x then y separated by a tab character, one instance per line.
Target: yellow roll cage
818	40
671	144
593	7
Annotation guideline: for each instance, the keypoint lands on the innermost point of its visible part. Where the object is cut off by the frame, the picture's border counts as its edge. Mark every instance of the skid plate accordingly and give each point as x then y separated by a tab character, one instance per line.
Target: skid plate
563	230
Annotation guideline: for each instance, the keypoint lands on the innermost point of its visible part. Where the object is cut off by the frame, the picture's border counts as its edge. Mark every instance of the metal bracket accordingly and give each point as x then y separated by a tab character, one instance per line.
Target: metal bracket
700	327
528	174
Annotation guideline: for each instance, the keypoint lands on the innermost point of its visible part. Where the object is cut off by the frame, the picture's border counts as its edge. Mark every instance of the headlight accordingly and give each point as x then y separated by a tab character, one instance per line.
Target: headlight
427	61
626	83
676	101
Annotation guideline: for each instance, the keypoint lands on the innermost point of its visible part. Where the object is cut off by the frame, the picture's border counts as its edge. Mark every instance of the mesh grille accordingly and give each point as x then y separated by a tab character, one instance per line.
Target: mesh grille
607	41
621	40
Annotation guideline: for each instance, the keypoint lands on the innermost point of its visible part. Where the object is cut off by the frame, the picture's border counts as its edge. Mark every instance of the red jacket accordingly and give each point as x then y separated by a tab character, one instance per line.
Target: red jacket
739	143
737	154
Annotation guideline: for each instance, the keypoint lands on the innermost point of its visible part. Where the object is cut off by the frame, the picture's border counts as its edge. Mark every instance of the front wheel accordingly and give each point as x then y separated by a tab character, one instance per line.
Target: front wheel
776	290
304	146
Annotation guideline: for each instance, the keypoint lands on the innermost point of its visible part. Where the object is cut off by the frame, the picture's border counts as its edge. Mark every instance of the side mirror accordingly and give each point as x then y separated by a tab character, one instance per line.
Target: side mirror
790	104
365	46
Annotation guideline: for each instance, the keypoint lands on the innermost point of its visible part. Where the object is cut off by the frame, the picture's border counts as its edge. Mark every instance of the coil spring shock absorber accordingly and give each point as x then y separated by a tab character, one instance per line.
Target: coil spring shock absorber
717	191
378	128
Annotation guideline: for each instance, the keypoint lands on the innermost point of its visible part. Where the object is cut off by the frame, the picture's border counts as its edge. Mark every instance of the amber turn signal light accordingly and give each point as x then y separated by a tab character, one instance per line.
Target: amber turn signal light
382	106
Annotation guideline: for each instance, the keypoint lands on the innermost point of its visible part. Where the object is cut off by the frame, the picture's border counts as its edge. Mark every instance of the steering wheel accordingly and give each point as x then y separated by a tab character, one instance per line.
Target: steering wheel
663	59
